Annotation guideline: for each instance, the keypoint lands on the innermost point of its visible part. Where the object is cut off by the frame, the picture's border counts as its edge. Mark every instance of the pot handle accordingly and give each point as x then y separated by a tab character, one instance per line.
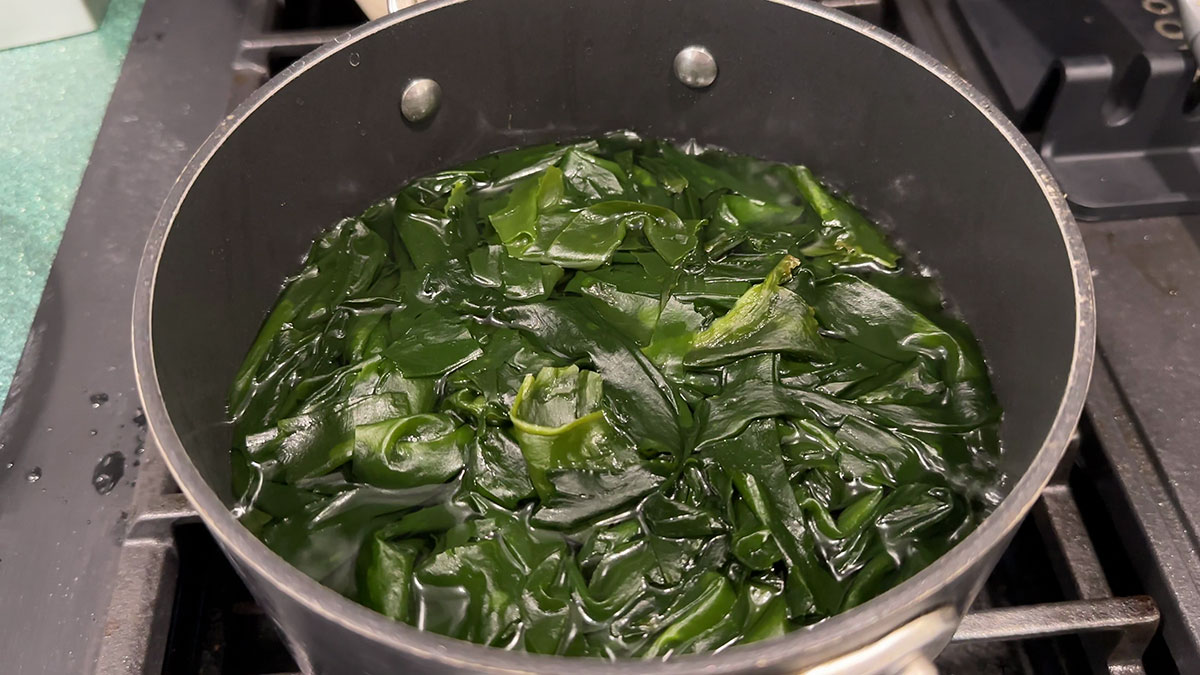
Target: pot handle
908	650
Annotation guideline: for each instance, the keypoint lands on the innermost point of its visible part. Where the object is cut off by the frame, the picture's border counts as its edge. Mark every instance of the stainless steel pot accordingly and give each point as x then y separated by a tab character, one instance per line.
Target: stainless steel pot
795	81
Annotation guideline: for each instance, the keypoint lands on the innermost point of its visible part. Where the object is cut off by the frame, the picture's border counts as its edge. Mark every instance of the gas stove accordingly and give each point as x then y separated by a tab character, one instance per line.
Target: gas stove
105	568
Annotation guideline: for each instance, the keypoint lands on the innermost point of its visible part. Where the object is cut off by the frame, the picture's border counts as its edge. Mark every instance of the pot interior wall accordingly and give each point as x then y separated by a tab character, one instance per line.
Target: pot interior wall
792	86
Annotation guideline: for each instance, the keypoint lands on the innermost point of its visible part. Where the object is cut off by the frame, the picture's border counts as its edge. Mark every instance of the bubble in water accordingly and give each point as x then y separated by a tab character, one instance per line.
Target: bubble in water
139	450
108	472
34	475
355	59
98	399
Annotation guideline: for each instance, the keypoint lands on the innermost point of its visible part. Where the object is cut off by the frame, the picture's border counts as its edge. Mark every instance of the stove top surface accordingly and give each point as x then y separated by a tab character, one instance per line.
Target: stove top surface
107	570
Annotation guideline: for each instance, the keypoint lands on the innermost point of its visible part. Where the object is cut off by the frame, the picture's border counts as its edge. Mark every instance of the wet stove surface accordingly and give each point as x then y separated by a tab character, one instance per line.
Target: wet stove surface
103	568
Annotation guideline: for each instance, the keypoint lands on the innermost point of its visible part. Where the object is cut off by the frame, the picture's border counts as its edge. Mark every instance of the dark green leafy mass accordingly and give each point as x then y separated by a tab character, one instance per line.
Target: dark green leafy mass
613	398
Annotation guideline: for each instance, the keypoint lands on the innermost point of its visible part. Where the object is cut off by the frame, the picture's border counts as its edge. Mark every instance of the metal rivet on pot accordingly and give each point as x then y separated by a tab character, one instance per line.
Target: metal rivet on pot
1169	28
420	100
695	67
1159	7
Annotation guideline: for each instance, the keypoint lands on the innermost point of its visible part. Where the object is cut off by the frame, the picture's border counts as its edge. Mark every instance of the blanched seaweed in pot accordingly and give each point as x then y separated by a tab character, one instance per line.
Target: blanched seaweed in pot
612	398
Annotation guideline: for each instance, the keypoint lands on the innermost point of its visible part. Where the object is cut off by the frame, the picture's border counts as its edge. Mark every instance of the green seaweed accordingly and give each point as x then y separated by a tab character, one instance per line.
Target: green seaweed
612	399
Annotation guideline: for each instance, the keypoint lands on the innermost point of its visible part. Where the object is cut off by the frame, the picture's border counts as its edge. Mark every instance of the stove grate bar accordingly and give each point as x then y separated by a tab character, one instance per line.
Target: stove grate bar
1131	620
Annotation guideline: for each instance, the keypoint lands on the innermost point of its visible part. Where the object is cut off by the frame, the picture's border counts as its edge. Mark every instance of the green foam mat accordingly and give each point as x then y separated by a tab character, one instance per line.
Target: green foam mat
52	100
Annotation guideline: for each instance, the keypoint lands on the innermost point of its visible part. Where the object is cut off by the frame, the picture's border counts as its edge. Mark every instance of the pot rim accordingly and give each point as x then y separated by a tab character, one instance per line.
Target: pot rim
833	636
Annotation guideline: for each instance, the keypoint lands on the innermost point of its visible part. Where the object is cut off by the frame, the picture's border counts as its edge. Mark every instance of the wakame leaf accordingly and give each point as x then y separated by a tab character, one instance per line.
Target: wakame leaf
768	227
387	576
498	468
427	233
614	398
633	314
558	422
324	538
670	236
410	451
695	613
583	240
505	168
592	177
340	265
518	279
517	223
316	443
846	234
754	462
862	314
436	343
766	318
639	396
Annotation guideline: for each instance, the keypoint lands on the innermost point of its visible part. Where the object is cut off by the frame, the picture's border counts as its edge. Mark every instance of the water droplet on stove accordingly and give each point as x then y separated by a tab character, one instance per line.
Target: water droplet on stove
108	472
355	59
9	465
92	432
139	450
34	475
98	399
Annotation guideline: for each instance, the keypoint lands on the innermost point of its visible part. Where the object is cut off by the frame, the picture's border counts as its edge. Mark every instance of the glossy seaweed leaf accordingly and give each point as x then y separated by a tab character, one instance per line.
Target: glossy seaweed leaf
864	315
766	227
497	468
643	404
754	463
594	178
340	265
558	421
517	279
766	318
612	398
436	342
410	451
846	236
